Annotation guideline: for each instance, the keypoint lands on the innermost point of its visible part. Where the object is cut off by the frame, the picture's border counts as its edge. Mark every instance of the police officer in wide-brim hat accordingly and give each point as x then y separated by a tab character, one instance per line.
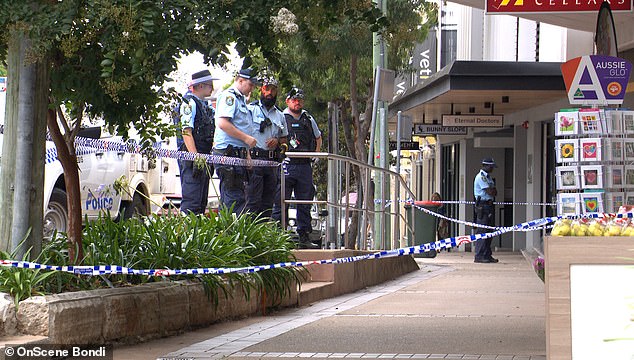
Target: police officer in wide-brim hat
197	131
484	191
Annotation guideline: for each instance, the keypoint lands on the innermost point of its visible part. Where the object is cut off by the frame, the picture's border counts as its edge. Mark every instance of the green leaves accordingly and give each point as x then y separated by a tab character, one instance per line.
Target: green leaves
166	242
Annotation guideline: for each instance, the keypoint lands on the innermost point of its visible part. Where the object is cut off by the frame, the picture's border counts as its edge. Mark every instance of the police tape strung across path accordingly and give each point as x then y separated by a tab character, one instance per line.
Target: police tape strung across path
472	224
440	244
87	146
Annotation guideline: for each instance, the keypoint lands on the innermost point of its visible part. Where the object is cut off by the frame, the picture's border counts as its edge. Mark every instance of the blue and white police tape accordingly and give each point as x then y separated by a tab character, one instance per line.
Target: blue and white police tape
458	202
433	246
524	229
85	146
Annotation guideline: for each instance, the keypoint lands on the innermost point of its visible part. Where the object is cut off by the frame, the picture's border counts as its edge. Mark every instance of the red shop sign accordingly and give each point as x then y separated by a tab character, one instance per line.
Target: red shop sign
542	6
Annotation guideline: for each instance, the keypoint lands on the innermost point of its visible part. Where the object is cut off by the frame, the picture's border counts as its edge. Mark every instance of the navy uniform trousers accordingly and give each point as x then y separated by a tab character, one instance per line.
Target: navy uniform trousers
194	187
298	179
261	189
485	215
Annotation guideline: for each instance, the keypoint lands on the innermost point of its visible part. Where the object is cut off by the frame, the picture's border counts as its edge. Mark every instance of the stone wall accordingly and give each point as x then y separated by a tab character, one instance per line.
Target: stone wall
139	313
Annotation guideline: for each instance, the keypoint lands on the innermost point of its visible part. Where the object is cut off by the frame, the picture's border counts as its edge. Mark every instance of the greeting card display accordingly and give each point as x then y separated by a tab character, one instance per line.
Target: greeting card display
629	199
568	178
590	121
614	176
629	177
592	202
628	149
590	149
613	201
614	121
567	150
568	204
591	177
628	122
566	123
613	149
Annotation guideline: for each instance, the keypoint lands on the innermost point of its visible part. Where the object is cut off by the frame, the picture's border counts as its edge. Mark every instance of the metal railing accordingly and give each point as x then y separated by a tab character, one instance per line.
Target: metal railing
339	199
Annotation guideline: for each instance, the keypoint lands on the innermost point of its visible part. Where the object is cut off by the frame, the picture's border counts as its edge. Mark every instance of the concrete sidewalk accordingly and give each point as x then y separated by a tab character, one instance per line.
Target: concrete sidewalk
451	308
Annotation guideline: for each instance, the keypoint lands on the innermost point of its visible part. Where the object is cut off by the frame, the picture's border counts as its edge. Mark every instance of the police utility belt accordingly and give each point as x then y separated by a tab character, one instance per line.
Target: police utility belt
264	154
480	202
233	151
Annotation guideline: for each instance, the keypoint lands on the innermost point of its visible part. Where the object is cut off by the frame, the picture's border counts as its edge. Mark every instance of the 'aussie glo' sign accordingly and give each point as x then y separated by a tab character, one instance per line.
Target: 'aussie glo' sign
541	6
596	79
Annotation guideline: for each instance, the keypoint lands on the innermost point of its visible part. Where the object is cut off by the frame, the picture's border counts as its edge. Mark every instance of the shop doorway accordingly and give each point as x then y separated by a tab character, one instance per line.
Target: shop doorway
449	182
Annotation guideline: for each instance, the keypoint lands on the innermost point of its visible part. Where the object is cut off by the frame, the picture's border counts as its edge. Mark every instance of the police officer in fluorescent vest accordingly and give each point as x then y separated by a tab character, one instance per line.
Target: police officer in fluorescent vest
269	130
303	136
485	192
233	138
197	129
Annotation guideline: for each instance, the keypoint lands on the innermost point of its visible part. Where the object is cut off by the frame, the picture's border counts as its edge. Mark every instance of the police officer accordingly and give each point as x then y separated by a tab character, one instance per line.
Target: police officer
485	192
233	138
303	136
269	130
197	129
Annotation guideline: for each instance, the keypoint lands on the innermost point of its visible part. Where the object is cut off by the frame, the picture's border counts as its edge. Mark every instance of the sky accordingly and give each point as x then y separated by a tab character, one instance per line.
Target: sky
194	63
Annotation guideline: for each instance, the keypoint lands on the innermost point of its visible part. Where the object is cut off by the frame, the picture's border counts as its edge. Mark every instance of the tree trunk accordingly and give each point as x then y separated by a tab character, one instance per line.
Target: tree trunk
22	184
65	145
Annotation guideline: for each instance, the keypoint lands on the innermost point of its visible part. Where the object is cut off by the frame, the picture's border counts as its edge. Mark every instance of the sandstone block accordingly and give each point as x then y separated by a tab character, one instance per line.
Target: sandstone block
174	308
8	319
75	318
32	316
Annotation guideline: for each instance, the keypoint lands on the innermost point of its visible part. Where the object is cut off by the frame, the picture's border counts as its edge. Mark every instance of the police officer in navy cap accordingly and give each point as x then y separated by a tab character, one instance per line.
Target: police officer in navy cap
233	138
197	132
303	136
485	192
269	130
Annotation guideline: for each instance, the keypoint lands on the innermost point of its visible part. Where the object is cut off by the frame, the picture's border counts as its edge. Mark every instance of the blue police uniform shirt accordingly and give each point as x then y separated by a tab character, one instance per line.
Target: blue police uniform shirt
232	104
481	182
277	128
316	131
188	112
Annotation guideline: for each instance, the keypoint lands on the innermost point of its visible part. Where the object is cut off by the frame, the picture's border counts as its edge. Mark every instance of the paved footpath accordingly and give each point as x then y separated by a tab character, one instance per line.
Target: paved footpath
451	308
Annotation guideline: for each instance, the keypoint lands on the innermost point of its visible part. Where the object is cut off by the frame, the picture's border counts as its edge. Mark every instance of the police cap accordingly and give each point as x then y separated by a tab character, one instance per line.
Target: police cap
295	93
489	162
249	74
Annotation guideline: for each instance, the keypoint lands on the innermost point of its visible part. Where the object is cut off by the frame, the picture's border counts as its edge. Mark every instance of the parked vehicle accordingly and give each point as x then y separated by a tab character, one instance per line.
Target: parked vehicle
317	222
151	185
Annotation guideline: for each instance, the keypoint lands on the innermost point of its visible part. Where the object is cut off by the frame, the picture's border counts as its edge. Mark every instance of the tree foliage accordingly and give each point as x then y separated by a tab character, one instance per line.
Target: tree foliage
331	58
109	58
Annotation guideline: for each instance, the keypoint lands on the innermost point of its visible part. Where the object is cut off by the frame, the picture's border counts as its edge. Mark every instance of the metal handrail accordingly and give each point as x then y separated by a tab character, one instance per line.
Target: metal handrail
366	208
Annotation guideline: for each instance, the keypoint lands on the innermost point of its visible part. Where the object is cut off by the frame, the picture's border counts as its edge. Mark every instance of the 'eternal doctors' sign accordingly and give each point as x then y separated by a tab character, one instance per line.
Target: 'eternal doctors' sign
473	120
596	79
541	6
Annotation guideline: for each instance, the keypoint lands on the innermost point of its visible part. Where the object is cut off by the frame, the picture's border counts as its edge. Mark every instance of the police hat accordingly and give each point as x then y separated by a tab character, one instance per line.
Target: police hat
268	81
295	93
249	74
489	162
201	77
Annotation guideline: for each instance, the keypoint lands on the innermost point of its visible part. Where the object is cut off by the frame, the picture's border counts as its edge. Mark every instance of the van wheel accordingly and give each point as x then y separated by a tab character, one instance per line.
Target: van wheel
136	208
56	215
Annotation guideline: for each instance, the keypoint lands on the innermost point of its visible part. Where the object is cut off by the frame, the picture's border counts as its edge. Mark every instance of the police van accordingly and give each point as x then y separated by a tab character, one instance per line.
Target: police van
150	186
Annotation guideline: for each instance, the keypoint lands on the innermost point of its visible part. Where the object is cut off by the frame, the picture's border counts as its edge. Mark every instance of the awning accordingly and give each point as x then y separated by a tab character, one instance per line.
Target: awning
481	87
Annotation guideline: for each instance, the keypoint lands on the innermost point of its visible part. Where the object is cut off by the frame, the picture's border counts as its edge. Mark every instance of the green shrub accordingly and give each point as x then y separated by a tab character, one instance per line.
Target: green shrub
173	241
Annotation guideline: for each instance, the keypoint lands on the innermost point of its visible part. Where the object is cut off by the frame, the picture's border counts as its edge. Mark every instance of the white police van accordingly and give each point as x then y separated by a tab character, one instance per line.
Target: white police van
151	186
